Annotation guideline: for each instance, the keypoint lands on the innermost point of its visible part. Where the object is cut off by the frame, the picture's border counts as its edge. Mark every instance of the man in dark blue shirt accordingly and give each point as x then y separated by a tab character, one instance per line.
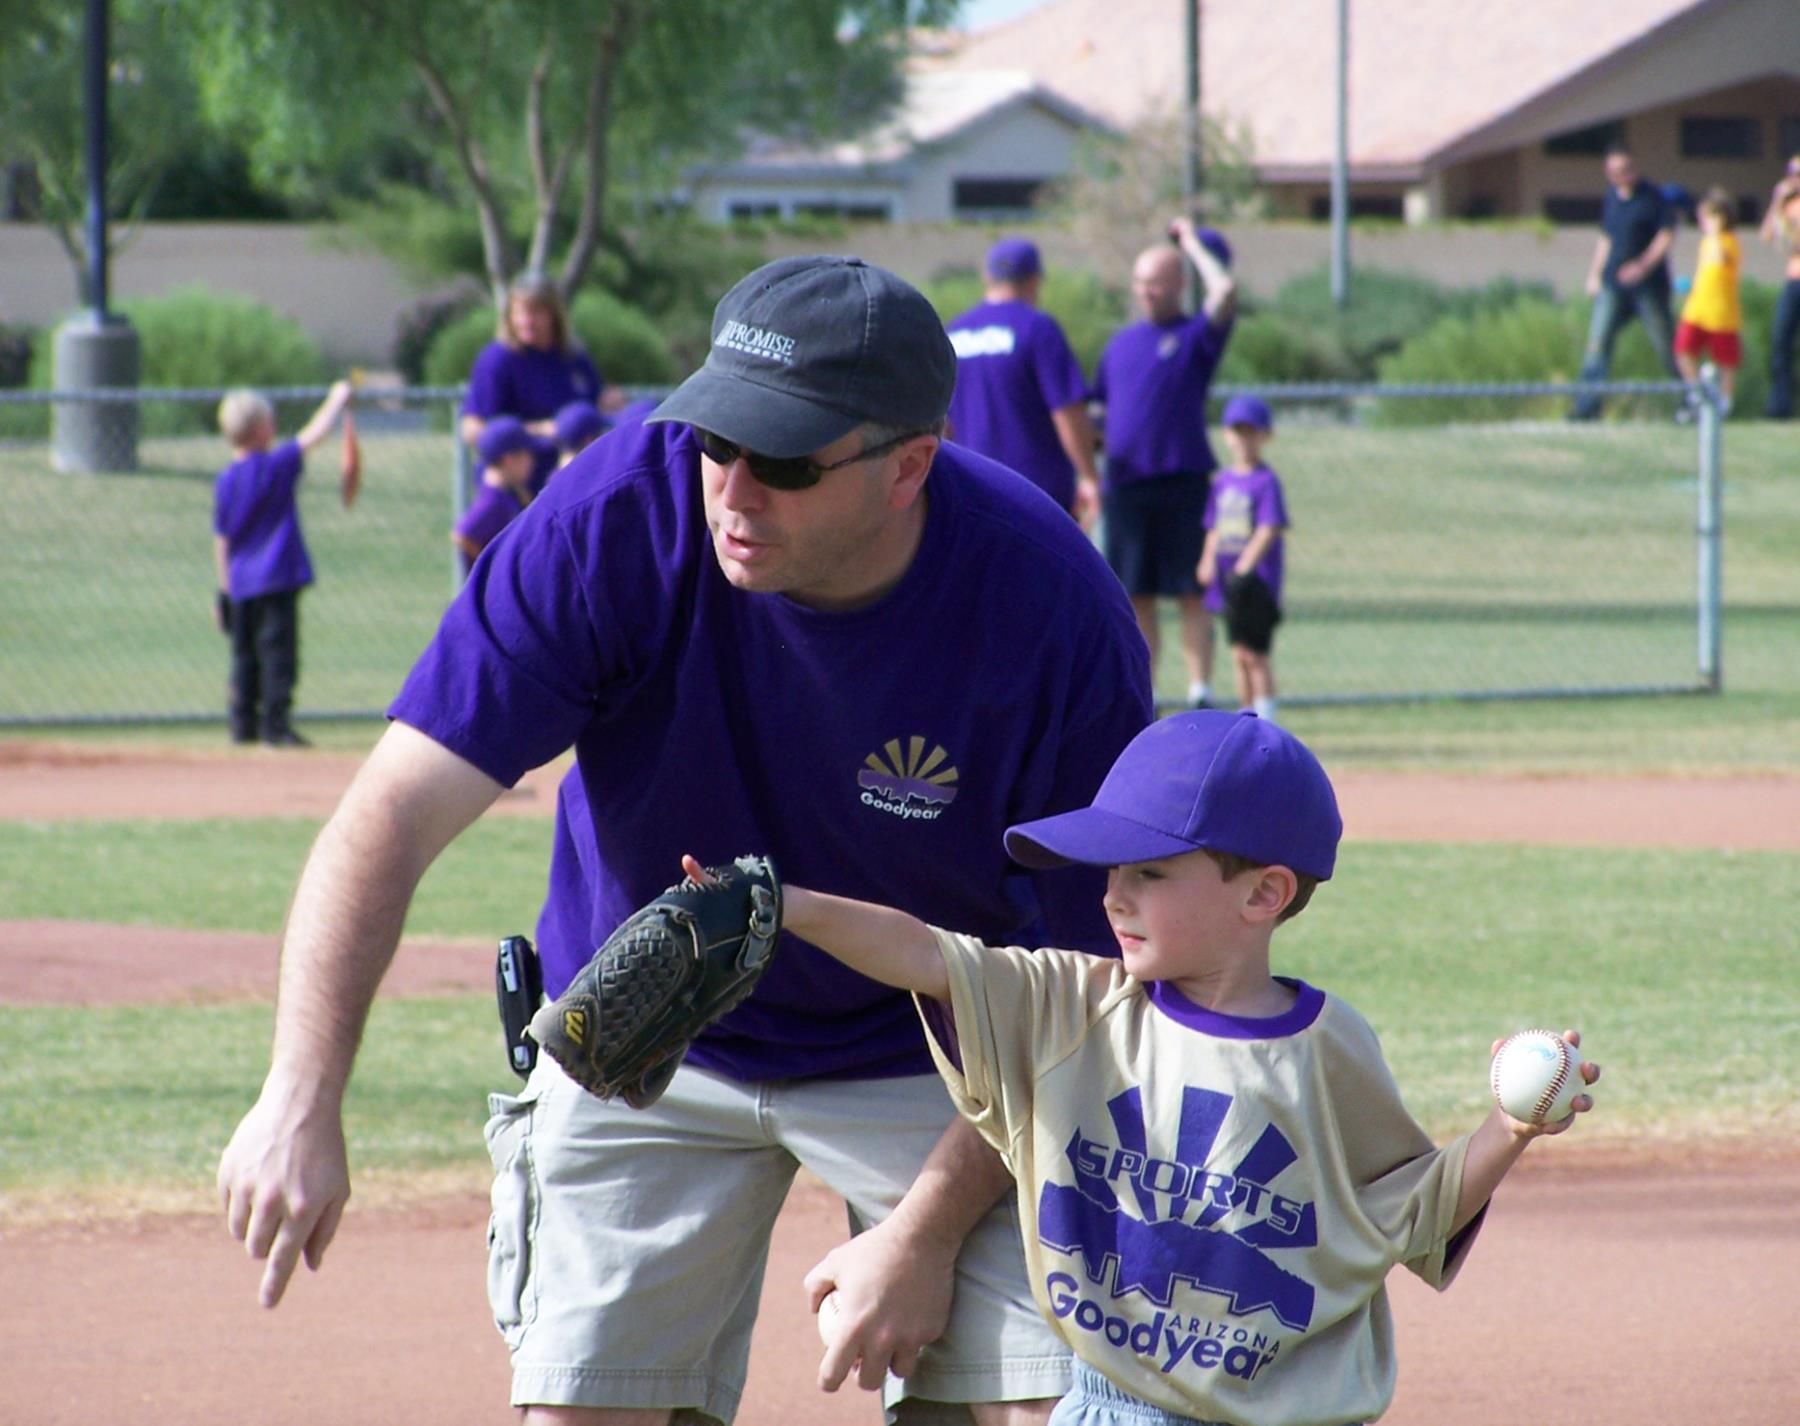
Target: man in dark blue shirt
1629	276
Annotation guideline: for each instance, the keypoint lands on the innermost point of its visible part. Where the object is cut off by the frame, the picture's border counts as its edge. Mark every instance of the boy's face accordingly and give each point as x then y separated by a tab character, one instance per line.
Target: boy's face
516	467
1167	913
1246	444
1711	220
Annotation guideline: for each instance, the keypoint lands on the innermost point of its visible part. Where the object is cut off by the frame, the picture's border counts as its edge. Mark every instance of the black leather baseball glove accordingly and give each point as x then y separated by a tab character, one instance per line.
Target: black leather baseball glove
684	960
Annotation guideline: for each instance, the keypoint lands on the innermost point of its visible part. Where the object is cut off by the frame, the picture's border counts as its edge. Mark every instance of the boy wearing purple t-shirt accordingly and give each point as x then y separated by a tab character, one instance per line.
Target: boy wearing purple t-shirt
782	611
262	560
1241	562
1020	397
509	459
1153	379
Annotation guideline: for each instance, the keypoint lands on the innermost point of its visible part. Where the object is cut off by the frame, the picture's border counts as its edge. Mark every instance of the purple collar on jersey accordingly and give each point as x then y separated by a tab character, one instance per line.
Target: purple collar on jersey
1306	1009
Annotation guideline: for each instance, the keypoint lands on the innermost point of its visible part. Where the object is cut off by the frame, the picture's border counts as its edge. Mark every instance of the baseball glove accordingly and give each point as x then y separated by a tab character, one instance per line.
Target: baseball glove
627	1019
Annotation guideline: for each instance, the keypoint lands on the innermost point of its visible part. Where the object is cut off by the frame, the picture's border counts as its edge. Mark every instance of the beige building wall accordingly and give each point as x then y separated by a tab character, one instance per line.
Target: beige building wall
1025	141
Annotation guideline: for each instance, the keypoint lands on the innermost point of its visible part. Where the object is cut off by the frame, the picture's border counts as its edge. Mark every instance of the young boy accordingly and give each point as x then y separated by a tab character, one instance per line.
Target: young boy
1215	1169
262	560
509	460
578	426
1241	561
1712	317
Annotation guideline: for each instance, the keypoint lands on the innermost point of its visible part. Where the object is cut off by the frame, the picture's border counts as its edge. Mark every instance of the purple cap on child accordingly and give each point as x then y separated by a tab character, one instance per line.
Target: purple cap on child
500	438
1228	782
578	424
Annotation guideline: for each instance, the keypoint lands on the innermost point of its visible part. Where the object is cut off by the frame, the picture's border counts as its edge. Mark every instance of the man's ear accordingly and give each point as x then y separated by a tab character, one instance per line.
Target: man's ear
912	463
1273	893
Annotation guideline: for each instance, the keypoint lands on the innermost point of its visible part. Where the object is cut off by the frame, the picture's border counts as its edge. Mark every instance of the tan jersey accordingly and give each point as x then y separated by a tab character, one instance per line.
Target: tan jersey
1210	1204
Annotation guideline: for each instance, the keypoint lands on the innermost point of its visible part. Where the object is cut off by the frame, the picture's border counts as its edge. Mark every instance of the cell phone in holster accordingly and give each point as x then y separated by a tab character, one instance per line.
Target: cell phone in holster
519	987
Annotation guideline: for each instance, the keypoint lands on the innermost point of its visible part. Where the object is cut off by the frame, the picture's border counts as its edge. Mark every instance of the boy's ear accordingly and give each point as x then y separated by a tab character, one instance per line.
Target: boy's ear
1272	893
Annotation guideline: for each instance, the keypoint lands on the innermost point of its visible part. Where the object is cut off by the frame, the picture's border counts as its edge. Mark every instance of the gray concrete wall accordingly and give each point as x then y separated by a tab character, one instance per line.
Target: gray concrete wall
350	300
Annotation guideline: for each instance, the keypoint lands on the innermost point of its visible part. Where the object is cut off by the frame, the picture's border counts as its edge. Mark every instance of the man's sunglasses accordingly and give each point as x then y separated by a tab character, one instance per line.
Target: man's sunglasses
788	472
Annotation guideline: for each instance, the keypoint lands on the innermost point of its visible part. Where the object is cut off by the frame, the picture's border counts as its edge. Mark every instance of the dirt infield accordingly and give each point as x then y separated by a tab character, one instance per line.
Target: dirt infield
1605	1289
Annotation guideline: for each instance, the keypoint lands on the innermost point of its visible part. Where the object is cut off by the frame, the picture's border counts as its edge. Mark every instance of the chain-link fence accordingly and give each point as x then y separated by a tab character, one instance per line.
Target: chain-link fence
1501	553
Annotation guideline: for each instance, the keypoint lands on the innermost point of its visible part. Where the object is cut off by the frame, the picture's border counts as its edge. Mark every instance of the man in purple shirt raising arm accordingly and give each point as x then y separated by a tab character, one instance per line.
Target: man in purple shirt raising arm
1153	380
765	617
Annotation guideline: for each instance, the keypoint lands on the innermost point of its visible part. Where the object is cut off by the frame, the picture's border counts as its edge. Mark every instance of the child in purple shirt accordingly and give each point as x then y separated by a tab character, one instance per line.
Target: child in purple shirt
1241	561
262	560
509	459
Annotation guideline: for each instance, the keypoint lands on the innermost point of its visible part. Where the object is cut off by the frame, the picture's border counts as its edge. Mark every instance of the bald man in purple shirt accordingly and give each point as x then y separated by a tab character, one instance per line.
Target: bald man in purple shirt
1153	380
780	613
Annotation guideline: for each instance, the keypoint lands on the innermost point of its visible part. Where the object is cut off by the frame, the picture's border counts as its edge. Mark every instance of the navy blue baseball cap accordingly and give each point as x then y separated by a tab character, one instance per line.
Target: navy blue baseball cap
501	437
806	349
578	423
1225	782
1247	411
1014	260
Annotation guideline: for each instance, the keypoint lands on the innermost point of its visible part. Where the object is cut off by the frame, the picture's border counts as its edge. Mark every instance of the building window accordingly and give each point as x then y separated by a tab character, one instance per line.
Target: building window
1790	136
1730	137
1591	142
864	209
1367	205
980	197
743	212
1572	208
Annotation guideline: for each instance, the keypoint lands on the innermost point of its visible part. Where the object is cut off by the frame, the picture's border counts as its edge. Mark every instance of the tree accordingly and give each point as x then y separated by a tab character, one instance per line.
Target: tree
151	100
529	106
1122	189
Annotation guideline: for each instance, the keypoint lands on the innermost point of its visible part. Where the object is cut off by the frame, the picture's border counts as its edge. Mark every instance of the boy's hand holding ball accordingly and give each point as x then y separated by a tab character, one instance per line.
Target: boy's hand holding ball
1540	1080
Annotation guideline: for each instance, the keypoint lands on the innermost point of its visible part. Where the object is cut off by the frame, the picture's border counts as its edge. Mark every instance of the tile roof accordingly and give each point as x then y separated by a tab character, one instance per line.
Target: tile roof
1423	73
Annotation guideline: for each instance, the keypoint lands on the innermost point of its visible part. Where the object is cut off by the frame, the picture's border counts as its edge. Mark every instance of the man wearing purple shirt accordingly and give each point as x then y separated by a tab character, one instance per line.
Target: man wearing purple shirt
765	618
1020	397
1153	379
262	560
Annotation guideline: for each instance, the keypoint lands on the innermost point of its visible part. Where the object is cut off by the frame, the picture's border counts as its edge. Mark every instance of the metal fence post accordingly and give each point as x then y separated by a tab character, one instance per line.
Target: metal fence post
461	473
1707	527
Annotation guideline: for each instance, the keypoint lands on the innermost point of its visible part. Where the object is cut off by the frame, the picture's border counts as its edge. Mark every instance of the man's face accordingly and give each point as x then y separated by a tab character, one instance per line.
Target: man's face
1621	172
816	545
1156	284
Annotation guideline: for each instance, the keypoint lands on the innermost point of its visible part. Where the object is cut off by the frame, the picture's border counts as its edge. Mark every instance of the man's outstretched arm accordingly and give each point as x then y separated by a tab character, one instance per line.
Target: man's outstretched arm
284	1178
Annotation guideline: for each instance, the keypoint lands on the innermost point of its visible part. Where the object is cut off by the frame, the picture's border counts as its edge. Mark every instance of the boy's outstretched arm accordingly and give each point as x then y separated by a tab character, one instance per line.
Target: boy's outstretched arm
1501	1139
884	944
319	427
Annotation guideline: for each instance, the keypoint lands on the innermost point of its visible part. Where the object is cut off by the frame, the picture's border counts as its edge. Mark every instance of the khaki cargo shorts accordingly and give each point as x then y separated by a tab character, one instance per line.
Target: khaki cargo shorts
627	1248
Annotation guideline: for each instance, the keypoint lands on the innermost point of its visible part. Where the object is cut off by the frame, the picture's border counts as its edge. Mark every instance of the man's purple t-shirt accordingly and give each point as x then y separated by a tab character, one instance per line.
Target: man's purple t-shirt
1013	368
528	382
1241	500
1153	378
877	753
253	508
491	511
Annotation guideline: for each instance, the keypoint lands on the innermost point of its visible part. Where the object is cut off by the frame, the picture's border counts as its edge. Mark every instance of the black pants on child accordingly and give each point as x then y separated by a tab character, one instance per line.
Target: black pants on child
265	664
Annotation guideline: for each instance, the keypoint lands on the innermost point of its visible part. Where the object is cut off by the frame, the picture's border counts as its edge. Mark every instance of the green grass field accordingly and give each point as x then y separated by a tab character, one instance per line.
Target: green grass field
1429	560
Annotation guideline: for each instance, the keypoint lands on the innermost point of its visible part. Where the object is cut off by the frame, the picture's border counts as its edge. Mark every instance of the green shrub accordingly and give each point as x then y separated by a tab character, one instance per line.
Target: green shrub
196	338
624	343
1386	310
1267	347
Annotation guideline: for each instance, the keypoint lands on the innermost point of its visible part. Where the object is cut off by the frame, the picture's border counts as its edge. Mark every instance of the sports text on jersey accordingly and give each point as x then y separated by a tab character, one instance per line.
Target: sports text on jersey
756	341
983	341
1211	1227
908	782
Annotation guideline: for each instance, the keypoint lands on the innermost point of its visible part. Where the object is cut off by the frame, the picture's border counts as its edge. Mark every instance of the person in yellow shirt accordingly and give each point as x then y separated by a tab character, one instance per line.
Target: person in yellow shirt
1713	316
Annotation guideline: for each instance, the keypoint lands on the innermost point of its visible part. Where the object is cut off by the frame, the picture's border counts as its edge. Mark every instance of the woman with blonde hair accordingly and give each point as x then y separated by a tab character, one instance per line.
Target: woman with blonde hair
534	367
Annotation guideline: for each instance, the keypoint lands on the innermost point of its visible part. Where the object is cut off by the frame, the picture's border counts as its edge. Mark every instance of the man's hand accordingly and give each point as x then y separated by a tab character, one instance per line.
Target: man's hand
893	1294
284	1180
1630	273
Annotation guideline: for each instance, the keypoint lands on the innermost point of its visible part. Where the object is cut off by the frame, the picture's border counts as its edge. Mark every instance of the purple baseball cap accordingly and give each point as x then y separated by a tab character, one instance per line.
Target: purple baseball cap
1248	411
1014	260
1227	782
500	438
1214	242
577	424
806	349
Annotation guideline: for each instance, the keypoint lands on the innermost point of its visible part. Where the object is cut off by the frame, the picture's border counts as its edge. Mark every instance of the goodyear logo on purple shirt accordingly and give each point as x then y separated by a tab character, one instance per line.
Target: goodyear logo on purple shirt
906	781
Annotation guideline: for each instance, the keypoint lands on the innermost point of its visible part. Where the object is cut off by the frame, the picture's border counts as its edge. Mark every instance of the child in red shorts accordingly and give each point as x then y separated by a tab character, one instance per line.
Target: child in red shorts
1712	317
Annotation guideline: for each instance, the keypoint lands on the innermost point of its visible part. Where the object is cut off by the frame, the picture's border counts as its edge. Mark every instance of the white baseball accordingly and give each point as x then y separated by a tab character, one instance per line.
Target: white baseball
828	1319
1536	1075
